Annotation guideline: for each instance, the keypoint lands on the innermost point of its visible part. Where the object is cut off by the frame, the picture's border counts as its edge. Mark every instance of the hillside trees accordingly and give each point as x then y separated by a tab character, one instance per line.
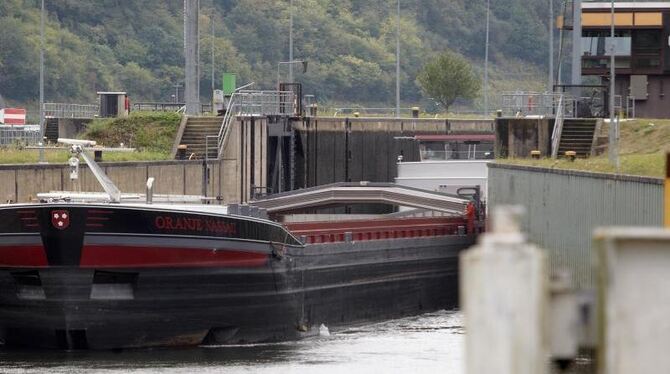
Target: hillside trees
137	45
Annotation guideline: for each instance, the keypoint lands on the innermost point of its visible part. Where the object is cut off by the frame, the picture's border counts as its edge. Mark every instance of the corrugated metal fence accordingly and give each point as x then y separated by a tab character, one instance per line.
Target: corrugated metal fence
563	207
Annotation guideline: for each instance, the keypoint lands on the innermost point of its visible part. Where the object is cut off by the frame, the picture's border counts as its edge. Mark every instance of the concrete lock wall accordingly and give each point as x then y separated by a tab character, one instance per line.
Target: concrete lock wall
517	137
564	207
365	149
229	177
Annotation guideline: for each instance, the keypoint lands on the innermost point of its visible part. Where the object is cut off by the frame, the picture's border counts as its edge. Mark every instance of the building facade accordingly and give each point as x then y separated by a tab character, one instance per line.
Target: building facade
642	53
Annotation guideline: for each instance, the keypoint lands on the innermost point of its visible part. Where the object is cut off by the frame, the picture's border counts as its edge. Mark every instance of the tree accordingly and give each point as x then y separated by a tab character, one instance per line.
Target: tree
448	77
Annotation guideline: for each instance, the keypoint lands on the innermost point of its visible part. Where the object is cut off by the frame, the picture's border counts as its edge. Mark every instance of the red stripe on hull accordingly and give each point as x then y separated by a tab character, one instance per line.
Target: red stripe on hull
103	256
23	256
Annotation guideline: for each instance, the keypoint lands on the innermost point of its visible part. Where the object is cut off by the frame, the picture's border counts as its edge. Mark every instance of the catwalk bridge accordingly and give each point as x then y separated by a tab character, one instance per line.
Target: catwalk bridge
363	192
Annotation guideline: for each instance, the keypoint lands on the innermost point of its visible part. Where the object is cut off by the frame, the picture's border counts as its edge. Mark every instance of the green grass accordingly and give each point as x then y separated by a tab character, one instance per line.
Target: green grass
31	156
145	131
642	147
150	133
650	164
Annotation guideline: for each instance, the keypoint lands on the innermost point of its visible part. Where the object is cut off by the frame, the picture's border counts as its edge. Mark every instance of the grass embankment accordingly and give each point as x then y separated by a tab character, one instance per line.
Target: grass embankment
31	156
150	133
144	131
642	147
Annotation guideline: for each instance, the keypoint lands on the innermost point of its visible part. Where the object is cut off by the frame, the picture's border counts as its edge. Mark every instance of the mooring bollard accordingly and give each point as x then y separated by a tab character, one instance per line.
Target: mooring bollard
504	288
313	110
181	151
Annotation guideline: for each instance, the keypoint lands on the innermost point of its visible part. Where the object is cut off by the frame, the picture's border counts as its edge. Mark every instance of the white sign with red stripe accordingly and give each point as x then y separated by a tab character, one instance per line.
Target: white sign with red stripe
13	116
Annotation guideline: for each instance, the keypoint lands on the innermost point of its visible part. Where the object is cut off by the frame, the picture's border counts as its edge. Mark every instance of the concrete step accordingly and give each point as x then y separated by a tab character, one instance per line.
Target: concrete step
577	137
204	124
575	145
580	131
195	135
200	130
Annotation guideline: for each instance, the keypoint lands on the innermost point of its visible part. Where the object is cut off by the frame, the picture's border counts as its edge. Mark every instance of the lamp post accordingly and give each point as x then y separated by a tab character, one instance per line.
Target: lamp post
290	42
42	123
613	151
550	87
486	60
213	69
397	64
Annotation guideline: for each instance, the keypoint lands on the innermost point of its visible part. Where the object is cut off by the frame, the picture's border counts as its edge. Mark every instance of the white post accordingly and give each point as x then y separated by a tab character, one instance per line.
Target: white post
504	287
634	300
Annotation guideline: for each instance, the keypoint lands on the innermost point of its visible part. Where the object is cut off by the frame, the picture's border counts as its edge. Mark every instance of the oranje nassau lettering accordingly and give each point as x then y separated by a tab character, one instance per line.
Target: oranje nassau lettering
179	223
195	224
221	227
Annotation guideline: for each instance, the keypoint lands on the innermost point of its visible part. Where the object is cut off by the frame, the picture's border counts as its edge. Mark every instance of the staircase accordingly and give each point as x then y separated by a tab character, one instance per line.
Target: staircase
577	135
51	130
195	132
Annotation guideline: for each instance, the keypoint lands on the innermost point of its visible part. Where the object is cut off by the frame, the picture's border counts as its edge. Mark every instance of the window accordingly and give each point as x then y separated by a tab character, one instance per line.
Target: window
456	150
597	43
647	41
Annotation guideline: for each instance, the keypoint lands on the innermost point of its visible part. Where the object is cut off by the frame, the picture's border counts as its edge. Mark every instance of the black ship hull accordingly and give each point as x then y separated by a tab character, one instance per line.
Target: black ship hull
124	277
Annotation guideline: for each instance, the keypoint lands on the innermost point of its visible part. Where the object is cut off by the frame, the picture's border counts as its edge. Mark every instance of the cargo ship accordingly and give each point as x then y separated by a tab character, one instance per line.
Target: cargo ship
106	271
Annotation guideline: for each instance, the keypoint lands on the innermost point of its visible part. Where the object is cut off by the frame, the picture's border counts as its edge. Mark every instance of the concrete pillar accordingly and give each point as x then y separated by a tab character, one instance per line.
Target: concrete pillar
504	287
634	300
192	57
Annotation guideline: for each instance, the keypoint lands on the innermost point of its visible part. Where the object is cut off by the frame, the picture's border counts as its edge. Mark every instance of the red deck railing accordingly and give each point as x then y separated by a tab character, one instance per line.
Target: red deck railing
378	229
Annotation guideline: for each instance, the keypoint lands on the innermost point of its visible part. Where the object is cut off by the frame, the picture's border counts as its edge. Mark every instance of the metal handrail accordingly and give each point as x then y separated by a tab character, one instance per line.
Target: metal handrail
558	129
66	110
538	104
250	103
225	124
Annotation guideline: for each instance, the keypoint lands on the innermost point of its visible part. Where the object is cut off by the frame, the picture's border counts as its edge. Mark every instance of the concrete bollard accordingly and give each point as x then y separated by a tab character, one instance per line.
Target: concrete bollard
313	110
634	300
504	288
181	151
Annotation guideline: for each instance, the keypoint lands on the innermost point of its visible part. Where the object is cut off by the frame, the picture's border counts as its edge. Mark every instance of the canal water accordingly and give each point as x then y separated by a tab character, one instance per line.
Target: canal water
431	343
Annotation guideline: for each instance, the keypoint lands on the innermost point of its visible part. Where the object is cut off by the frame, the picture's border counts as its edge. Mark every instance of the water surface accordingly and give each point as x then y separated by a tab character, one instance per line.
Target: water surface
430	343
